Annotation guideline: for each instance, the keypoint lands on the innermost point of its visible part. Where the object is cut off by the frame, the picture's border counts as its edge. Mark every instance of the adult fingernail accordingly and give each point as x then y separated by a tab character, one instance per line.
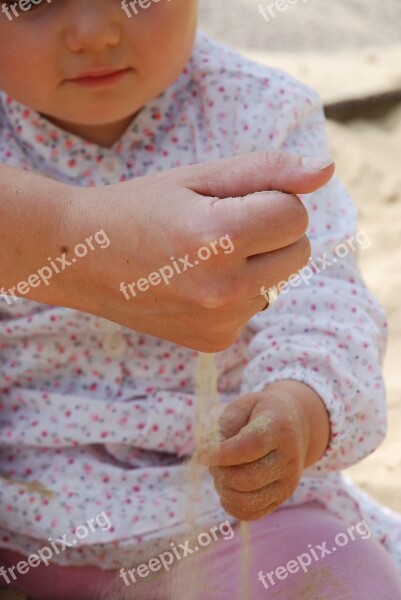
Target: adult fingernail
315	163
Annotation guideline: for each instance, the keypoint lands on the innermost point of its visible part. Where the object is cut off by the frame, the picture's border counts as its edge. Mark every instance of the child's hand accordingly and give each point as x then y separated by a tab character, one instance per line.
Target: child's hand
268	440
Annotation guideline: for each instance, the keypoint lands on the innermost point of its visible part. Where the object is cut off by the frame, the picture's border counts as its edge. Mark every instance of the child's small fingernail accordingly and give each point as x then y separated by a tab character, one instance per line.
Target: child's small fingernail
315	163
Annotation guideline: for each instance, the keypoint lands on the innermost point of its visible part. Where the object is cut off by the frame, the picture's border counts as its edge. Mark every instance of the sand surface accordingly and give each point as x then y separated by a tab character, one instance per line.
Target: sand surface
314	25
347	49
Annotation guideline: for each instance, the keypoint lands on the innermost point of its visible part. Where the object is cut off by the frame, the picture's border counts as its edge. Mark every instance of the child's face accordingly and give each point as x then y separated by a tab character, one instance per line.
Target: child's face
45	48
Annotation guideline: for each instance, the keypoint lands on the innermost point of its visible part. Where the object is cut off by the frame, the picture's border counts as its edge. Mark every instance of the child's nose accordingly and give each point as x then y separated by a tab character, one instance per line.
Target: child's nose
92	25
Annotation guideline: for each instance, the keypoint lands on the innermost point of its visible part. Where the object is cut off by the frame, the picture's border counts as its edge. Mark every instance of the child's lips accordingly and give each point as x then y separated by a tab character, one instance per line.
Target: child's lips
101	78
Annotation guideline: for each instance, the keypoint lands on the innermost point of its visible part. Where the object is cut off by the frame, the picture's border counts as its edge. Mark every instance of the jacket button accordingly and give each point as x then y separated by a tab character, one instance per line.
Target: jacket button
114	344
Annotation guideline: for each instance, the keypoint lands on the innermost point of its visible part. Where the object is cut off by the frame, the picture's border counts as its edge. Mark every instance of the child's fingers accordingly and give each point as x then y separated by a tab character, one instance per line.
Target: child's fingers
253	505
256	439
236	415
251	476
258	172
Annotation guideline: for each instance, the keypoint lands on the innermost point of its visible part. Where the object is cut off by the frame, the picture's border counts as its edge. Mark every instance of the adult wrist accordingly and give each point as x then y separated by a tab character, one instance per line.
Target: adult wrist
34	228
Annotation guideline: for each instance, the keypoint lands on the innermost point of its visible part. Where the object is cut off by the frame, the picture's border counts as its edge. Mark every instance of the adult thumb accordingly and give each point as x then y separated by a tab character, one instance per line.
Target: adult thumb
258	172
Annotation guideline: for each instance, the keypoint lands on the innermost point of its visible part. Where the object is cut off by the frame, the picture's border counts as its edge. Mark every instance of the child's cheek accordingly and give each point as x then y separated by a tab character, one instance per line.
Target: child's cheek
163	34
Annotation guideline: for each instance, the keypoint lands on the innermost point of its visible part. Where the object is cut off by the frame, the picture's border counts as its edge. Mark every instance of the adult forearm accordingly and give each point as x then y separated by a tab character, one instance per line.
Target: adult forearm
32	210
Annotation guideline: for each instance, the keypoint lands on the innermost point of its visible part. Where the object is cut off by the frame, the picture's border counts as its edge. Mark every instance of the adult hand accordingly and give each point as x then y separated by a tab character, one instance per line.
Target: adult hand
226	216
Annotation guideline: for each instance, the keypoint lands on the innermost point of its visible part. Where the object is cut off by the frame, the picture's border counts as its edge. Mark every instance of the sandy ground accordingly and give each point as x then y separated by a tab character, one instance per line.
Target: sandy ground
349	49
368	159
304	24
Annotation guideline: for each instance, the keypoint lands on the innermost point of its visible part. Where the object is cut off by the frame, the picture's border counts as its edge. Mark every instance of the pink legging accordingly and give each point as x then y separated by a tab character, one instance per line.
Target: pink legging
292	558
358	569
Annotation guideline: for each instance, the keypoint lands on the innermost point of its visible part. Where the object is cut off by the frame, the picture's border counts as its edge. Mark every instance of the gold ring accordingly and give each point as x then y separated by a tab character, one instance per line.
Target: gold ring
272	295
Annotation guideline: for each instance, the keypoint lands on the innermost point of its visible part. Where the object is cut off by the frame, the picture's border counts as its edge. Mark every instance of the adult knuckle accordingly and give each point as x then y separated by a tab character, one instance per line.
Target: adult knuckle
210	298
210	301
276	159
206	235
221	294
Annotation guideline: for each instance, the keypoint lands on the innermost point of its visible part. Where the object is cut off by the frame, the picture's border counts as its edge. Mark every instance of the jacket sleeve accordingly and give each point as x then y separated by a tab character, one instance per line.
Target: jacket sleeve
325	330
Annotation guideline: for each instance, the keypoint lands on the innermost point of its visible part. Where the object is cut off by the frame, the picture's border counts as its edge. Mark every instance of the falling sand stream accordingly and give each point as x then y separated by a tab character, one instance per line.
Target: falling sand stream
207	409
